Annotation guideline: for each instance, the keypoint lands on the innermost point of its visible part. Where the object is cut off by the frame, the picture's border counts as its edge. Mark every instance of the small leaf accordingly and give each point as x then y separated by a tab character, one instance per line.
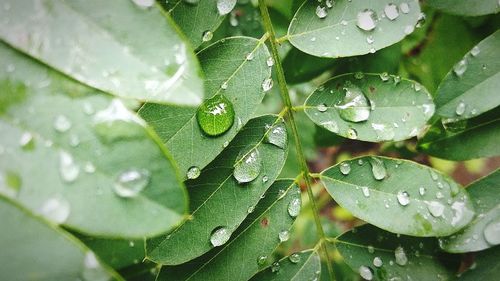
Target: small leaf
103	44
486	267
81	158
304	265
471	87
230	74
383	255
419	200
370	107
466	7
351	28
217	199
33	249
484	231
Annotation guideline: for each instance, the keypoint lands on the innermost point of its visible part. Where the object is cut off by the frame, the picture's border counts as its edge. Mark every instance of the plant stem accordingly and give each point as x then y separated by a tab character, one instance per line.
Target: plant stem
288	104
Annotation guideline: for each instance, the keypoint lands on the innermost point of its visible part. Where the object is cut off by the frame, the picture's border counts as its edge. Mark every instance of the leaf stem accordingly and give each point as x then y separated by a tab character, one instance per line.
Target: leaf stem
299	108
282	39
288	104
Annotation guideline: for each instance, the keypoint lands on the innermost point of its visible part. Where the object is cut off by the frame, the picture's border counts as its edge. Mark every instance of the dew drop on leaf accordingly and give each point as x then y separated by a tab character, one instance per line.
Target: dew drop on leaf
193	173
377	261
215	116
68	169
294	258
405	8
331	126
403	198
366	20
384	76
352	134
261	260
275	267
56	210
284	236
408	29
366	191
321	12
385	132
270	61
421	190
192	2
365	272
355	106
62	124
400	256
27	142
277	135
92	270
322	107
345	168
435	208
225	6
294	207
207	36
220	236
475	51
248	165
391	11
460	68
144	4
131	182
378	168
492	232
250	209
267	84
460	109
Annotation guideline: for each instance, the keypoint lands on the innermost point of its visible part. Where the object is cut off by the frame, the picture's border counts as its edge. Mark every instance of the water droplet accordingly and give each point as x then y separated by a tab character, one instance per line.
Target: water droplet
247	166
92	269
366	191
144	4
475	51
378	168
68	170
89	168
251	209
294	207
284	235
207	36
27	142
370	40
408	29
439	195
225	6
391	11
405	8
460	68
345	168
267	84
131	244
249	56
400	256
352	134
403	198
322	107
367	20
492	232
365	272
216	115
354	106
131	182
62	123
261	260
220	236
321	12
377	261
294	258
435	208
359	75
56	209
421	190
114	122
275	267
384	132
10	185
270	61
265	179
329	3
193	173
460	110
421	20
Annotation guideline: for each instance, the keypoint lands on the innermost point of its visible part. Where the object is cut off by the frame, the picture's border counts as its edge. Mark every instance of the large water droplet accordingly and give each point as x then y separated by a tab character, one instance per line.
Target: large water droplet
460	110
321	12
62	123
377	261
220	236
215	116
207	36
355	106
367	20
247	166
284	235
294	258
345	168
460	68
435	208
56	209
378	168
492	232
400	256
131	182
225	6
403	198
193	173
277	135
365	272
294	207
391	11
68	169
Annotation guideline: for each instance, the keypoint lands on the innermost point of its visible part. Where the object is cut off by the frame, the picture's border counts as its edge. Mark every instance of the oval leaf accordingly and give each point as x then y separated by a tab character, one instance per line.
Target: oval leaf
102	48
26	238
485	267
471	87
71	145
305	265
369	108
480	233
257	237
466	7
419	200
321	31
398	257
224	63
217	199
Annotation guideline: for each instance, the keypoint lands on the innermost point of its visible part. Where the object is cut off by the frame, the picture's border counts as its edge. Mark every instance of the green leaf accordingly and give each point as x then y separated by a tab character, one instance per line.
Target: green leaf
465	139
338	33
225	65
217	199
486	266
195	19
381	111
376	188
402	257
300	67
480	233
74	148
104	45
471	87
466	7
254	240
33	249
304	265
